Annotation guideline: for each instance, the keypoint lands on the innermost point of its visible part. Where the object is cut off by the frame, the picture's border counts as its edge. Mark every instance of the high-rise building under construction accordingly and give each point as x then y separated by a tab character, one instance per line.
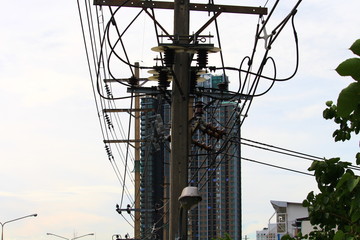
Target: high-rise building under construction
154	159
213	163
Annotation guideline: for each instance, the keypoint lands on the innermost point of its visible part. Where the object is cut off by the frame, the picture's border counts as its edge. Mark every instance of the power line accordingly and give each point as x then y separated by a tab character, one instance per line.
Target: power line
276	166
280	150
287	152
105	40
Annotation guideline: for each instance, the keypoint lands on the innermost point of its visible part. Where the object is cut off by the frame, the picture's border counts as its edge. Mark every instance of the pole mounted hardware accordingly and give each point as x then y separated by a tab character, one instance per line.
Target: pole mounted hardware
178	58
192	6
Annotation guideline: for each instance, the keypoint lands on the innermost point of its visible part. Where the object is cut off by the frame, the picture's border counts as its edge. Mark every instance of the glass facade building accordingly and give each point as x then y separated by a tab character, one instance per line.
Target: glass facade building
216	170
154	157
214	165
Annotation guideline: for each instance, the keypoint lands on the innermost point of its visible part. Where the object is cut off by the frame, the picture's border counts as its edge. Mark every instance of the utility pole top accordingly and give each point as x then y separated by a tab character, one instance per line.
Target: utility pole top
178	56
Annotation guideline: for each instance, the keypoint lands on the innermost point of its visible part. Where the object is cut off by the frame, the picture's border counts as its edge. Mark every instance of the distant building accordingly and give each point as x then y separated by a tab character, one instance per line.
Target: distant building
267	233
216	171
154	158
214	166
289	218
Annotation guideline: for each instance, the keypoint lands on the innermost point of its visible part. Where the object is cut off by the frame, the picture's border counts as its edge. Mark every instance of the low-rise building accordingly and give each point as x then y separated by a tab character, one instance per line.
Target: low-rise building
288	217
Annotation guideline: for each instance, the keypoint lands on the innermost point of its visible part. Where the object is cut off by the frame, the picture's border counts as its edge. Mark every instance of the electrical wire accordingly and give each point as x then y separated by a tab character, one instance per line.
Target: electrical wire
91	30
282	150
89	67
275	166
103	60
126	155
288	152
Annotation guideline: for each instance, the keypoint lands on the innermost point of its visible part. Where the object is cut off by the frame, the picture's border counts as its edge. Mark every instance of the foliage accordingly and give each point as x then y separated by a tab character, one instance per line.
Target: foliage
288	237
335	211
337	204
347	111
227	237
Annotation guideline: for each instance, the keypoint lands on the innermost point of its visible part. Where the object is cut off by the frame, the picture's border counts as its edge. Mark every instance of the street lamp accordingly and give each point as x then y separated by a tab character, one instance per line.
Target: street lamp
188	199
52	234
2	224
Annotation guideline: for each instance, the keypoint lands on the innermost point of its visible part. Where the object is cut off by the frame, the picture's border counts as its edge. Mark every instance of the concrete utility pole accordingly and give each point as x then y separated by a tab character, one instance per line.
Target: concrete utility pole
180	100
180	132
137	158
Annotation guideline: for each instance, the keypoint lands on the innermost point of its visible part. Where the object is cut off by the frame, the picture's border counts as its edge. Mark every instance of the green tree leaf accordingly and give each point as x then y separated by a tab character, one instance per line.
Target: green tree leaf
314	166
352	183
358	158
340	235
329	103
348	99
343	179
350	67
355	48
355	216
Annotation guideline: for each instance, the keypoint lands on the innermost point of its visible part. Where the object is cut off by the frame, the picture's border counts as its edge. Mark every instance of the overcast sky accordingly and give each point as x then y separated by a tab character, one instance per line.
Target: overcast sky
52	159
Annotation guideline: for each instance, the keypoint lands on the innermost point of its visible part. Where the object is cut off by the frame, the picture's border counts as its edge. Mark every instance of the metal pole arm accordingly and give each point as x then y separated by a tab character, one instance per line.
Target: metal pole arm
13	220
57	236
89	234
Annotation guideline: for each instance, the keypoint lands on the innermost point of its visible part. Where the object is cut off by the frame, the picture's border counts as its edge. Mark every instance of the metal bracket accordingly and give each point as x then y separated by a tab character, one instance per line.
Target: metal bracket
192	6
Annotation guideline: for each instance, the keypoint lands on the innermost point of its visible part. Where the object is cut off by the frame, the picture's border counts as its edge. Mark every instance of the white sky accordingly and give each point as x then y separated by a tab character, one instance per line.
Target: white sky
52	160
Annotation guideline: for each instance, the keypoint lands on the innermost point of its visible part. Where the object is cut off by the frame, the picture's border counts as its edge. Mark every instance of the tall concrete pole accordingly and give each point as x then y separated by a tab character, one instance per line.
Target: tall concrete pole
180	132
137	158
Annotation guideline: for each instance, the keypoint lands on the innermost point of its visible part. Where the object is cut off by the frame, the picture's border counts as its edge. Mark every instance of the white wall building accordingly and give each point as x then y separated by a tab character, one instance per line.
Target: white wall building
283	221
